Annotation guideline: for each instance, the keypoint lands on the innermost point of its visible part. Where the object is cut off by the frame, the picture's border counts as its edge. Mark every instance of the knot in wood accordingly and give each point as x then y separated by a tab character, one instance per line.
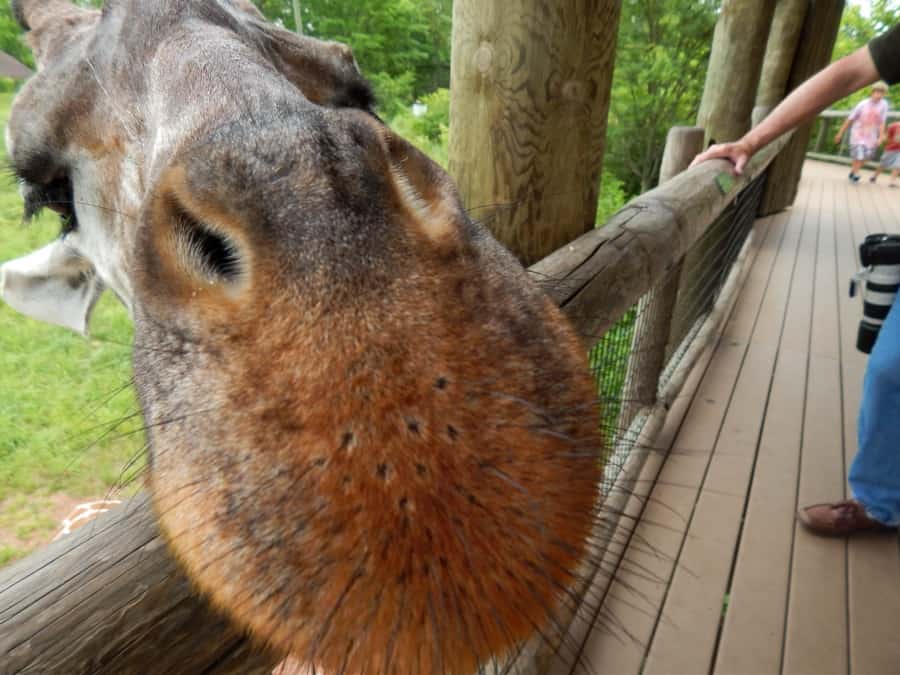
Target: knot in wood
574	90
484	58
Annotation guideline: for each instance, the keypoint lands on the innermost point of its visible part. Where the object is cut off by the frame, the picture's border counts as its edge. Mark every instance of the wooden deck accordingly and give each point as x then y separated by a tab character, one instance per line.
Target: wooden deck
718	577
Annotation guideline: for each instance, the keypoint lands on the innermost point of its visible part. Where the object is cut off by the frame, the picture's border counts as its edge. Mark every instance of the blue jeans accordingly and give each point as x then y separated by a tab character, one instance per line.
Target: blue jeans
875	473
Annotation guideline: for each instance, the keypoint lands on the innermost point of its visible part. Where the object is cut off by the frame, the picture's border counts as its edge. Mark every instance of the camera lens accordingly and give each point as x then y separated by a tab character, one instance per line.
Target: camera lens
865	338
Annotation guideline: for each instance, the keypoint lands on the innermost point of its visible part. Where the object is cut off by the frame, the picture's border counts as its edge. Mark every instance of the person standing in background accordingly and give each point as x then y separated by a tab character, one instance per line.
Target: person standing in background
867	133
890	160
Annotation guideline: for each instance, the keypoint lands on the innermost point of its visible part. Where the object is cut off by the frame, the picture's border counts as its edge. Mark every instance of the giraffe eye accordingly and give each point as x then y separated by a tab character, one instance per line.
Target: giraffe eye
55	195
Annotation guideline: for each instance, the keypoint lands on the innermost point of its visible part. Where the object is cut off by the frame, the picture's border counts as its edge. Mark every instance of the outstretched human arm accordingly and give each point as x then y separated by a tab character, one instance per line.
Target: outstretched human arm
840	134
838	80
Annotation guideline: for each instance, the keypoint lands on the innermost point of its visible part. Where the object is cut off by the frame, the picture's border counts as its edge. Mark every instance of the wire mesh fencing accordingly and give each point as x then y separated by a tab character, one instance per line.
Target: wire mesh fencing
634	359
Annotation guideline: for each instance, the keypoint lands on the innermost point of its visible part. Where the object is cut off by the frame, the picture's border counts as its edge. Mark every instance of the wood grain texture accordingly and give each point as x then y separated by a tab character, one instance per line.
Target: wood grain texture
597	277
753	627
651	335
817	624
686	635
109	600
820	29
787	24
619	641
735	64
530	88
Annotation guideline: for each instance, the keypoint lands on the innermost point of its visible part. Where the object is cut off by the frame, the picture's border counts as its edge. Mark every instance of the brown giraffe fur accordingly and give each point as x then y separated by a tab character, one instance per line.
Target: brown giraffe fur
372	438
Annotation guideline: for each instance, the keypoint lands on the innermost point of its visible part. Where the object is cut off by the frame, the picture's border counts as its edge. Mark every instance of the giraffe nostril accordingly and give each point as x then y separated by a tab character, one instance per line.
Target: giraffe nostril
213	254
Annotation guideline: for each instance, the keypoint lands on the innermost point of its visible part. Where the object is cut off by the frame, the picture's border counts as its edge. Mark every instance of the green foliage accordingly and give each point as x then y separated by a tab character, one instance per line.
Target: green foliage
856	31
612	197
403	46
410	127
11	40
661	64
394	93
435	122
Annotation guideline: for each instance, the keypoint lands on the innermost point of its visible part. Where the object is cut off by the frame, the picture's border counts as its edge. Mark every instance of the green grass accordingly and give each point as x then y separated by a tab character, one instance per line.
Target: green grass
63	399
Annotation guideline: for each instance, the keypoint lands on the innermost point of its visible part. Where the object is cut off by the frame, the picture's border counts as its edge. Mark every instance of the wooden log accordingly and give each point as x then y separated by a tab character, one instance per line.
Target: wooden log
735	64
108	599
784	36
820	30
657	308
682	145
760	113
597	277
530	92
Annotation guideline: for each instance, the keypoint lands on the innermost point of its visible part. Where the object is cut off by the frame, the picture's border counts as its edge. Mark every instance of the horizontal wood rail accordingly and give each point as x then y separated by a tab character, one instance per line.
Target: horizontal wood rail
597	277
109	598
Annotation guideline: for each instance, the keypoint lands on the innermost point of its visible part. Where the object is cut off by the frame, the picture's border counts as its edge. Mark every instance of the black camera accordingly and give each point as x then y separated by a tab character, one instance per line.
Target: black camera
879	255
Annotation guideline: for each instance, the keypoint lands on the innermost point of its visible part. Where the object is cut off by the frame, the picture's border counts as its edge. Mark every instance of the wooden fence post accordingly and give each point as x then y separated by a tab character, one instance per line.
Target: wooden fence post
820	29
735	64
530	91
820	137
784	36
298	18
760	113
657	308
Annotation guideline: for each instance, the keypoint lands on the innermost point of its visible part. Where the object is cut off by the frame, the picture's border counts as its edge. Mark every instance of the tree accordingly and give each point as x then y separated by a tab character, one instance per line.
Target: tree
11	40
856	31
661	64
298	18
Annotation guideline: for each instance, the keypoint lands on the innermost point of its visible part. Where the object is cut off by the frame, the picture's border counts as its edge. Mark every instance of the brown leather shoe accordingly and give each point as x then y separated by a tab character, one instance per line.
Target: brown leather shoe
839	519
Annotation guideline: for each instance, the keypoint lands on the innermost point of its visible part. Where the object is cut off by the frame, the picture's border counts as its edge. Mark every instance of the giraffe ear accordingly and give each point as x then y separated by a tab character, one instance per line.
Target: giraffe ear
53	284
51	23
248	7
325	72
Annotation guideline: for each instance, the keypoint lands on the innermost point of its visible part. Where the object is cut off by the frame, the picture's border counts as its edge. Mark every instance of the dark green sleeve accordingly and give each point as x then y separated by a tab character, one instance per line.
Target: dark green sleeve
885	51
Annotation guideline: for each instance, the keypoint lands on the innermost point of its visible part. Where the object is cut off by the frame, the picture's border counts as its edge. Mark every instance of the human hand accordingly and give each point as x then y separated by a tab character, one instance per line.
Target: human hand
738	153
837	139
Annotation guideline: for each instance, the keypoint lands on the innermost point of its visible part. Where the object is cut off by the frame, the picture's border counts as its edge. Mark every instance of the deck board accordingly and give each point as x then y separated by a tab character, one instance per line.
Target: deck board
754	623
686	640
618	643
816	634
771	425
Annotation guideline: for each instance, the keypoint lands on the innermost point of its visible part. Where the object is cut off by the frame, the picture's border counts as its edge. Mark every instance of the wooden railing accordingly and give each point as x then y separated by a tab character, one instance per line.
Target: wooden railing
109	599
629	264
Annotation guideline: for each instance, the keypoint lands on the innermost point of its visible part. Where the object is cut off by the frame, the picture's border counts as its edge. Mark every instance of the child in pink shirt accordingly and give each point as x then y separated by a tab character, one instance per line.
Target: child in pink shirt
868	131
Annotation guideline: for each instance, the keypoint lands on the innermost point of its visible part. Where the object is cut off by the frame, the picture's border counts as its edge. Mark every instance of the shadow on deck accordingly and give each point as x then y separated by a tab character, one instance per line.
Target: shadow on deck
717	576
